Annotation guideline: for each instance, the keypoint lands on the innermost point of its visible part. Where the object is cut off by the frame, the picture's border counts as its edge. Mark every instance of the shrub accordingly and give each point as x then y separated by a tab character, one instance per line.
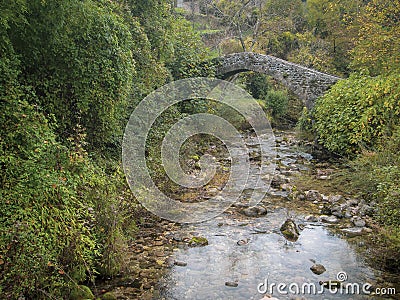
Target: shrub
277	101
46	241
358	113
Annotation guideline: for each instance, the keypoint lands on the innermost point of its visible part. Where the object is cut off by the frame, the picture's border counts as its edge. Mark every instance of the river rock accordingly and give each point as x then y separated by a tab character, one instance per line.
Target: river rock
329	219
337	210
313	195
198	241
180	263
326	210
243	242
231	283
278	179
352	202
318	269
213	190
348	213
353	231
366	210
290	231
311	218
286	187
334	198
254	211
358	221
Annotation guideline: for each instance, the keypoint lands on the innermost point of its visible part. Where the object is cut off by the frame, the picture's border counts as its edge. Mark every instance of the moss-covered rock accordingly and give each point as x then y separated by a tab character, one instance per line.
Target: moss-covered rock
81	292
198	241
108	296
290	231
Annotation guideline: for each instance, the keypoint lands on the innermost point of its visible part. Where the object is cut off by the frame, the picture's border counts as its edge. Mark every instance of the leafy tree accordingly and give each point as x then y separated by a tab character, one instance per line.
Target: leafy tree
77	56
377	45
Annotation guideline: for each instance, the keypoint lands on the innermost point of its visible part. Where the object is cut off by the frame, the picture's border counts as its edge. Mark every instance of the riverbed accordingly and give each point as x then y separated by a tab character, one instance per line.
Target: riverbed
247	256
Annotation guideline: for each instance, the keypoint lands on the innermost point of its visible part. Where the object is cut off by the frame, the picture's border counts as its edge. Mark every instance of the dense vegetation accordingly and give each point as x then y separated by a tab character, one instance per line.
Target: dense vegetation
70	74
360	118
71	71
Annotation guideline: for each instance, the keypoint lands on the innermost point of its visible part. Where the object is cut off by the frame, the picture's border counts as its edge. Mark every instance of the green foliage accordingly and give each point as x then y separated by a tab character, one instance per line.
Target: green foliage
258	85
376	176
61	213
70	72
277	101
358	113
382	179
314	52
189	57
44	221
304	124
77	56
81	292
261	87
377	46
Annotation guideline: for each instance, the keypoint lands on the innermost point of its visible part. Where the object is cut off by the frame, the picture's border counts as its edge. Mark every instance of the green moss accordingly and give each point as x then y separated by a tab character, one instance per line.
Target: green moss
198	241
108	296
81	292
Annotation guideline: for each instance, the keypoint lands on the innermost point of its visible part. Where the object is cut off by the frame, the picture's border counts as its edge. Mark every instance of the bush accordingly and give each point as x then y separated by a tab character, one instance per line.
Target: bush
46	241
358	113
77	56
277	101
61	214
376	175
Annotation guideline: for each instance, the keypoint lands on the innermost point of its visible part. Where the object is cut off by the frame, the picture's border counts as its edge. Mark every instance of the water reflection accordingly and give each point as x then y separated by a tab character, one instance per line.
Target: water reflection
265	256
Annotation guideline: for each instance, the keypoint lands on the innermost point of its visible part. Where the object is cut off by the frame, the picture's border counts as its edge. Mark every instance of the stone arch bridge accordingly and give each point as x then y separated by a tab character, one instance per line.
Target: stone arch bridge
306	83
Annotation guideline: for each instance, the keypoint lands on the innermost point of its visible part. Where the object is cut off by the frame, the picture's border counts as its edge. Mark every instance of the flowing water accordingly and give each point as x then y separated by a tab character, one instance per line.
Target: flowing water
249	258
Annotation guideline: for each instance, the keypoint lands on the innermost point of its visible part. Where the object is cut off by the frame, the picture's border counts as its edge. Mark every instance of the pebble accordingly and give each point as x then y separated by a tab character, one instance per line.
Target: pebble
313	195
334	198
318	269
329	219
231	283
311	218
353	231
180	263
358	222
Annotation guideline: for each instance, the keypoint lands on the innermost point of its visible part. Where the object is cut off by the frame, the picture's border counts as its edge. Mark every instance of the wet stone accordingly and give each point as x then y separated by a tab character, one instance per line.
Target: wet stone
337	211
277	180
353	231
313	195
180	263
290	231
254	211
326	210
334	198
231	283
197	241
329	219
311	218
318	269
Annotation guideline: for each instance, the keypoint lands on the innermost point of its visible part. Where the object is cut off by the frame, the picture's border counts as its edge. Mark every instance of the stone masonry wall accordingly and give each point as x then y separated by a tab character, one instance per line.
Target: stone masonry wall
306	83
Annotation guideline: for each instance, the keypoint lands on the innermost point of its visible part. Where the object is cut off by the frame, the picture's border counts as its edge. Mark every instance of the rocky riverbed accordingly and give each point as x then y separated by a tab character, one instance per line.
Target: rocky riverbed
298	234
